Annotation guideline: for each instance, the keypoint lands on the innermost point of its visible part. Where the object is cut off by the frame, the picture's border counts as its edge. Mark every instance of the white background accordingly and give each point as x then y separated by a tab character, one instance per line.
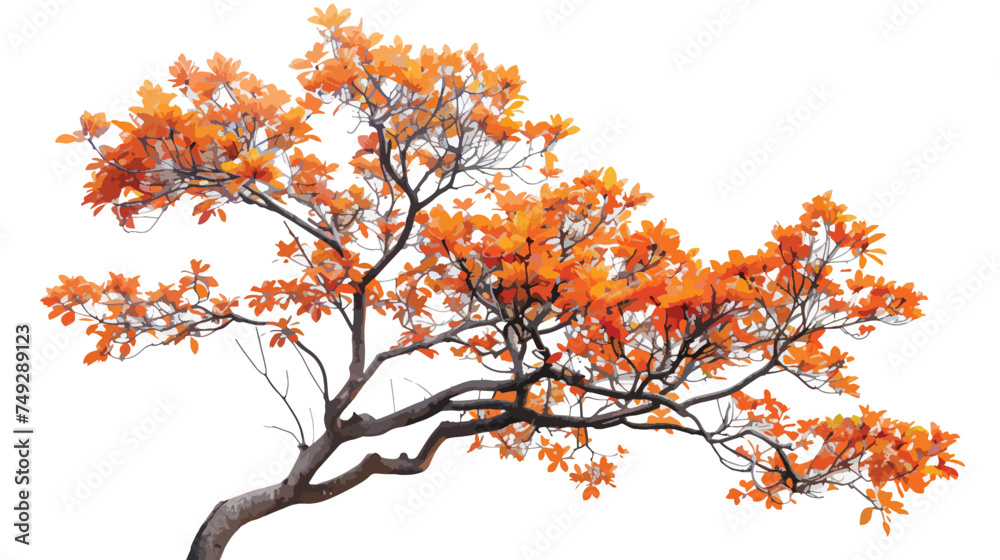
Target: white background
897	72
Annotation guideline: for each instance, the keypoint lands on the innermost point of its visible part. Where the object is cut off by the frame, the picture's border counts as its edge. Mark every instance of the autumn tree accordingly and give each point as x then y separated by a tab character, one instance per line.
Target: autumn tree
570	316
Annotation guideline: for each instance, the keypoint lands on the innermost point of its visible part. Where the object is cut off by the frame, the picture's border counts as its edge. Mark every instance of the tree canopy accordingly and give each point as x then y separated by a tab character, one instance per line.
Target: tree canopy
571	313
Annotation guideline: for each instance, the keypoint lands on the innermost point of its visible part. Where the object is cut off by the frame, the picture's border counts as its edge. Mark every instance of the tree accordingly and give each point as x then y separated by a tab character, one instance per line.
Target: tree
572	317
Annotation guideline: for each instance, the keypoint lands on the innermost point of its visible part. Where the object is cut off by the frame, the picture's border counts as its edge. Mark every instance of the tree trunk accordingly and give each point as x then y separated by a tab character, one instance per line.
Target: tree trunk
229	515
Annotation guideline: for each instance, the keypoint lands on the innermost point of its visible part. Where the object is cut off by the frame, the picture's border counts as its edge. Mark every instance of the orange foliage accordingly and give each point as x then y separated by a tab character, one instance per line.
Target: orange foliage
593	318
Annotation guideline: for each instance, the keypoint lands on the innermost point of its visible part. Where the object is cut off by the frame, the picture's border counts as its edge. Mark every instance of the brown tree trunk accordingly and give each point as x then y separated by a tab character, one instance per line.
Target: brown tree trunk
229	515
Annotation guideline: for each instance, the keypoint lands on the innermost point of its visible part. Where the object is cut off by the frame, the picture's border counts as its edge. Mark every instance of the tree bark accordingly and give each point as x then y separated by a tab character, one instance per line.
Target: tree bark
229	515
232	514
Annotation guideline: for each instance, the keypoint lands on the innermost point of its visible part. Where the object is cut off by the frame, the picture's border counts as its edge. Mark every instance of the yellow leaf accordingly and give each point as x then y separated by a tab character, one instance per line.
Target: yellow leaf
610	177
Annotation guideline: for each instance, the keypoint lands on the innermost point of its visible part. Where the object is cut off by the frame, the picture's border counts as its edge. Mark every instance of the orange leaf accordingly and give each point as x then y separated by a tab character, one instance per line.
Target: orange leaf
735	495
